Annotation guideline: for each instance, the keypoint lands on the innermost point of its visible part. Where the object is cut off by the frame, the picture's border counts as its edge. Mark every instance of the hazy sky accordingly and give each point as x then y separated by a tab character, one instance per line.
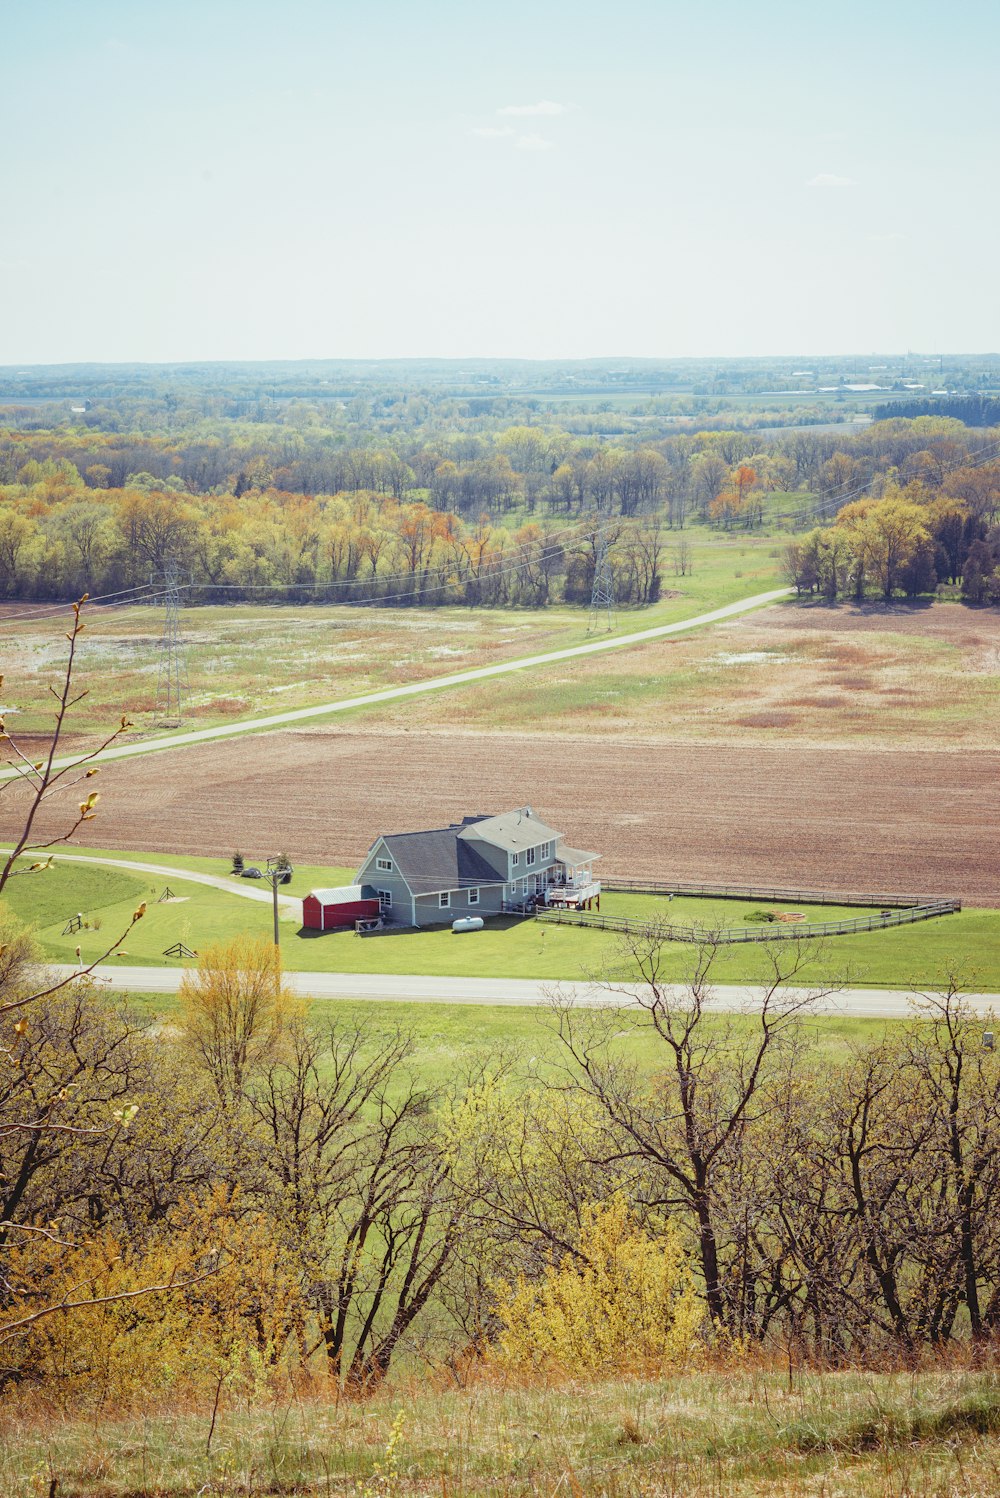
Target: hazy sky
213	179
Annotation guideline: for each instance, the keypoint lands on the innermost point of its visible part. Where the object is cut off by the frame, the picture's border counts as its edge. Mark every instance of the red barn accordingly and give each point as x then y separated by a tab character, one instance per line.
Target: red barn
333	909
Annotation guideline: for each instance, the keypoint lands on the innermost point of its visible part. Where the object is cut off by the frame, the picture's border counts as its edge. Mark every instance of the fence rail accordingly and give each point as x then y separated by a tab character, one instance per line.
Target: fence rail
668	931
770	892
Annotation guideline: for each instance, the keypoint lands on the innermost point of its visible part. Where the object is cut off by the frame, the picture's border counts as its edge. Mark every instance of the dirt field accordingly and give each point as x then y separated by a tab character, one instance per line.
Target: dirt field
920	821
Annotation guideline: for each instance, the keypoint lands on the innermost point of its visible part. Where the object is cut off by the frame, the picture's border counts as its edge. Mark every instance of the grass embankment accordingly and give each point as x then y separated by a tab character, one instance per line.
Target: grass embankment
856	1435
244	660
915	956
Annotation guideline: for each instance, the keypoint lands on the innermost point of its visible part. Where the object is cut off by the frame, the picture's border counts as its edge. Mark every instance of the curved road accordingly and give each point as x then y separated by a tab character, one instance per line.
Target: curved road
215	881
431	684
855	1003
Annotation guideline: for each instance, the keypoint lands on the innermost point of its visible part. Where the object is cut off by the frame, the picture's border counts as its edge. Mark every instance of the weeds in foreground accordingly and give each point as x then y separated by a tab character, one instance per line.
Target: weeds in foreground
854	1434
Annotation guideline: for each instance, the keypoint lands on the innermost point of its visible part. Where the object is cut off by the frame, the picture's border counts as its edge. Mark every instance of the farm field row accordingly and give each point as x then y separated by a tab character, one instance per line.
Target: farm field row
246	660
840	819
918	956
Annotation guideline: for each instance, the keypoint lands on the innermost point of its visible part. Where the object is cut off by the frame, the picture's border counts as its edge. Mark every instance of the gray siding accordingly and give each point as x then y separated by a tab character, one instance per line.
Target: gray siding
401	910
431	913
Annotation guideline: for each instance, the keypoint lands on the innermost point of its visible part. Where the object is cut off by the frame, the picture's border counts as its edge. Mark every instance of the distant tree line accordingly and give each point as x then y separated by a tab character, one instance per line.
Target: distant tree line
908	540
363	547
497	517
973	410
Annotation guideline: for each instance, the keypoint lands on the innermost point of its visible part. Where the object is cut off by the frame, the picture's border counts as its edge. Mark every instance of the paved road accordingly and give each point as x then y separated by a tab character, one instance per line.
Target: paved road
432	684
215	881
860	1003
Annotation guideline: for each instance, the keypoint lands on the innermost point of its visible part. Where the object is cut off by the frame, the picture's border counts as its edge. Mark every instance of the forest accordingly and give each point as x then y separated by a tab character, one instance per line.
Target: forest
414	496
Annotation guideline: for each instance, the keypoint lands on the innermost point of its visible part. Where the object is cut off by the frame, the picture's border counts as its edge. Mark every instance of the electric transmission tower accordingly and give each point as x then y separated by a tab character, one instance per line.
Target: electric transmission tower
602	598
172	682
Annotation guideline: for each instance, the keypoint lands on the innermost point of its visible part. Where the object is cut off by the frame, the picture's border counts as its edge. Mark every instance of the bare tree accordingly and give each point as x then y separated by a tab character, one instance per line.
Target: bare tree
685	1132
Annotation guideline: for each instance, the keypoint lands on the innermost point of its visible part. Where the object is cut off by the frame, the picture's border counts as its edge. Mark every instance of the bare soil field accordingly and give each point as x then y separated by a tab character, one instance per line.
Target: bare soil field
898	820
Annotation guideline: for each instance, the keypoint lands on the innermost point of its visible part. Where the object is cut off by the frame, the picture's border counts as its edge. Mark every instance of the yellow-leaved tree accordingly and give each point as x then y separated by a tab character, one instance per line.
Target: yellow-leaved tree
236	1008
626	1299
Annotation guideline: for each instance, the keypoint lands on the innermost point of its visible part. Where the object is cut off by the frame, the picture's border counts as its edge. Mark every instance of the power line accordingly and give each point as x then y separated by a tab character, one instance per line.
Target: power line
602	596
50	610
820	504
172	682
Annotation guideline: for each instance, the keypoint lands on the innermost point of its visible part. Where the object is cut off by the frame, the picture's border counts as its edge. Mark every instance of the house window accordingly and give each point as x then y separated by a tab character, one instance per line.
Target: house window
529	857
473	897
444	899
384	899
385	864
515	860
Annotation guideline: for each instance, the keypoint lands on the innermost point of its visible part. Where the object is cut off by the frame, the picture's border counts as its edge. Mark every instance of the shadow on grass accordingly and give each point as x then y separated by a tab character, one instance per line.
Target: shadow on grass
493	923
978	1415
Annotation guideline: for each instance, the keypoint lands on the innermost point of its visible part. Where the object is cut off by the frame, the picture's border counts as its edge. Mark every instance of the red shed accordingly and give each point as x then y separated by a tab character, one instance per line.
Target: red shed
332	909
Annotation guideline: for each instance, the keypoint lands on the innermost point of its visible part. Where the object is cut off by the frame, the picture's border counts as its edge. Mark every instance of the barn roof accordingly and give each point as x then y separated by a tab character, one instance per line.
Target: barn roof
436	860
342	894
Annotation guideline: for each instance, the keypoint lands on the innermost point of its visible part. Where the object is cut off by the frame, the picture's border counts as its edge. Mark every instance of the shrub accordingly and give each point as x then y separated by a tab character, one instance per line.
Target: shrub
626	1299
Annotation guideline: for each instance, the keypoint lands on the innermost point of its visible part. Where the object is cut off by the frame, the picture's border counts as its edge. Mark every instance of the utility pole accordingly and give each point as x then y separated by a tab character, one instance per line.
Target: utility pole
602	598
279	871
172	681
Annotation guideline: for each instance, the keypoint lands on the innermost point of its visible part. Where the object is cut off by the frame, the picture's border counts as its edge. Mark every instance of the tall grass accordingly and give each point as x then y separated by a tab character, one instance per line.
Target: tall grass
745	1431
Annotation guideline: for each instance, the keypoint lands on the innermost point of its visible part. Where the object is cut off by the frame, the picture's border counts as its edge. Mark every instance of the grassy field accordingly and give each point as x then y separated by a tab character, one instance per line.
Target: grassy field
246	660
920	955
798	1435
794	672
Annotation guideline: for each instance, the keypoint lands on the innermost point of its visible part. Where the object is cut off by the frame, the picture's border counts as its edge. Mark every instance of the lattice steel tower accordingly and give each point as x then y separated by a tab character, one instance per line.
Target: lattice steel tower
172	682
602	598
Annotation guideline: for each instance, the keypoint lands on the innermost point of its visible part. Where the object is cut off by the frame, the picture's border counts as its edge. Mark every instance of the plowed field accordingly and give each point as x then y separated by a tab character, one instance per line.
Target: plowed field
922	821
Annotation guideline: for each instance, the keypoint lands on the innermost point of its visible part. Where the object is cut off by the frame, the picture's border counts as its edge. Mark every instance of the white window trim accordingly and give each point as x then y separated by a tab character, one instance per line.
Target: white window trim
444	899
529	856
384	899
515	860
473	897
385	864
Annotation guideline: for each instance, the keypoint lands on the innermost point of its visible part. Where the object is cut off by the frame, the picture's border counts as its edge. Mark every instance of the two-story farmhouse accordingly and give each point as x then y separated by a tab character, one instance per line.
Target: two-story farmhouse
479	866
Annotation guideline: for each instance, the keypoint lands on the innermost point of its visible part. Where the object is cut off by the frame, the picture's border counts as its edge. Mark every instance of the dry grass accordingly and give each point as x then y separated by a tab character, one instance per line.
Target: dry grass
928	677
855	1435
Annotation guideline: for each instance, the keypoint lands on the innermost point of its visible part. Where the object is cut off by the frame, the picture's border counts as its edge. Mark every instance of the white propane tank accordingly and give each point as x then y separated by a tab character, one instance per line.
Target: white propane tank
468	923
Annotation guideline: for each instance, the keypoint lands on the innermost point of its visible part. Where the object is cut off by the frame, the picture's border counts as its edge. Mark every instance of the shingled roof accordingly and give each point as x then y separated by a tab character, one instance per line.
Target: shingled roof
436	860
512	830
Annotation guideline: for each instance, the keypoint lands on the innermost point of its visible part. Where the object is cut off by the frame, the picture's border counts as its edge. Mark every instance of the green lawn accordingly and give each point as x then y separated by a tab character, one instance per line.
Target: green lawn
920	955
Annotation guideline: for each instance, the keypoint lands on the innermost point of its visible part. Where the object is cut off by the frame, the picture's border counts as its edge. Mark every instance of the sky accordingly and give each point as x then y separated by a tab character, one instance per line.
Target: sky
232	179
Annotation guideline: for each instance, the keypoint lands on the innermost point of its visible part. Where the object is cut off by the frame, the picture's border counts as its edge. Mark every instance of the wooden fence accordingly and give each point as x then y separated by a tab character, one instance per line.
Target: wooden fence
770	892
764	931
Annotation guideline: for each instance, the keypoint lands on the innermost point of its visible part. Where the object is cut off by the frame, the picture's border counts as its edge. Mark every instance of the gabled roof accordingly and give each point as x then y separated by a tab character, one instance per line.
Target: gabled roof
437	860
512	830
